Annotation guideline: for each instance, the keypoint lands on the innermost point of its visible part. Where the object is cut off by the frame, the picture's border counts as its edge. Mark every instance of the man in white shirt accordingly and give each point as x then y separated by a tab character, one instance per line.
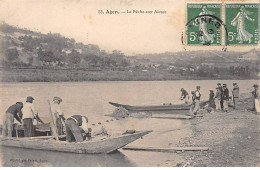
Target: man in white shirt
58	115
29	113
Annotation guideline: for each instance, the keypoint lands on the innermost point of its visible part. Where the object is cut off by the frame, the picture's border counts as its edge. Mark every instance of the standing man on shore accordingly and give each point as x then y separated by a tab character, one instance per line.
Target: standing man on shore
221	95
225	98
211	99
12	112
197	96
218	99
29	113
235	94
255	94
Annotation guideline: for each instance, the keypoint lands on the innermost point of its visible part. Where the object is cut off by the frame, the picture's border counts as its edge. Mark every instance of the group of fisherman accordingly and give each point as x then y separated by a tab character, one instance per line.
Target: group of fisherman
219	101
76	126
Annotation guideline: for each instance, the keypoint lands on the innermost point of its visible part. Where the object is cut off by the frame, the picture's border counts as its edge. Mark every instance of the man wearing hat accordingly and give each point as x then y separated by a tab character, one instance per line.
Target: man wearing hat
12	112
197	93
58	114
196	97
225	97
255	95
217	99
29	114
235	94
221	95
75	126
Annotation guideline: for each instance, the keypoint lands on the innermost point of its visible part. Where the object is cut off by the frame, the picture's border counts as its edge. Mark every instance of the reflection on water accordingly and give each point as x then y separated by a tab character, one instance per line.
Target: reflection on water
26	157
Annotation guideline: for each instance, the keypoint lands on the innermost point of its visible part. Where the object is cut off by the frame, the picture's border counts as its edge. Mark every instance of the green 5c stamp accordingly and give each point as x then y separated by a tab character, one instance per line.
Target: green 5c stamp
203	24
242	24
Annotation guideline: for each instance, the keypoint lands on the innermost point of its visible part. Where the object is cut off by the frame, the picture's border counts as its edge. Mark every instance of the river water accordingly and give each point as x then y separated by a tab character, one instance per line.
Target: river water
91	99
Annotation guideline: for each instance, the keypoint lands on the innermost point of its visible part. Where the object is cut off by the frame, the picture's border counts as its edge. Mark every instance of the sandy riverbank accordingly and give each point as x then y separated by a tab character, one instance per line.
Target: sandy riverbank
233	138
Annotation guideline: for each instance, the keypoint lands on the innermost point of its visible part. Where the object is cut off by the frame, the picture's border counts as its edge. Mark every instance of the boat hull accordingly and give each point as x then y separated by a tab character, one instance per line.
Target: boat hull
156	108
100	146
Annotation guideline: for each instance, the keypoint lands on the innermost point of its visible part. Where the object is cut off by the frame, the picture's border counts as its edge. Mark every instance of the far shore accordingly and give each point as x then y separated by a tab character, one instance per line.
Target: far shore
82	75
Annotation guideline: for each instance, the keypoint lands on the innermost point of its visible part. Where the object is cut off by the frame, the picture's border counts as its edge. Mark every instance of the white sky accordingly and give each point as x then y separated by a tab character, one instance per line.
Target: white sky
79	19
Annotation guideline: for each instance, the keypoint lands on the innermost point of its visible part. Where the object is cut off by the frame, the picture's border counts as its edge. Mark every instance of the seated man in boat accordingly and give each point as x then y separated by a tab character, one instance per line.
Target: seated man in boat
29	113
58	115
76	126
184	95
12	112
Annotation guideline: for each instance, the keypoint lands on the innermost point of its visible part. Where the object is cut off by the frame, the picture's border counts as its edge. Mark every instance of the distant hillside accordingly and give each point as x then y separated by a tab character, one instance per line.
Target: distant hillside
170	57
22	47
33	56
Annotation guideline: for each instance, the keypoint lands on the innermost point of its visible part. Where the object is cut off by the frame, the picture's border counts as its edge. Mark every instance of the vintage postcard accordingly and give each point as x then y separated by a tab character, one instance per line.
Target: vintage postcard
129	83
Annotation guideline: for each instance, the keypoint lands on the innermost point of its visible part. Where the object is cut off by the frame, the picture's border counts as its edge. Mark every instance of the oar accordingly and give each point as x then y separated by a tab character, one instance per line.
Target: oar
54	127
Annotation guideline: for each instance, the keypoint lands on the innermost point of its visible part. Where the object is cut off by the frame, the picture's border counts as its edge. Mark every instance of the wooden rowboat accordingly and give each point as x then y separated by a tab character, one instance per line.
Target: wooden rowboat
168	107
97	145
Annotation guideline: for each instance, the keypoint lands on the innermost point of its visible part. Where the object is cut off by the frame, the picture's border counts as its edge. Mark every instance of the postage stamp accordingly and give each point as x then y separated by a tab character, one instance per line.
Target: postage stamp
242	23
203	24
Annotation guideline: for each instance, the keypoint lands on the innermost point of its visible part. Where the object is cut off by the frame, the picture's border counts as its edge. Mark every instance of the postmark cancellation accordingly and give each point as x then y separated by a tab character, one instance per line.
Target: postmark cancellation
222	23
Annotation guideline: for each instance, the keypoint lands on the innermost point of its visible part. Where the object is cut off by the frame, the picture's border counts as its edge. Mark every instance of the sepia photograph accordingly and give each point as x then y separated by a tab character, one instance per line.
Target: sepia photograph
129	83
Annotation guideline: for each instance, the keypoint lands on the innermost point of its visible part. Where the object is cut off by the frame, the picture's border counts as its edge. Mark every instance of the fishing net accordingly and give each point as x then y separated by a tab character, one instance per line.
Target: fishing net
120	112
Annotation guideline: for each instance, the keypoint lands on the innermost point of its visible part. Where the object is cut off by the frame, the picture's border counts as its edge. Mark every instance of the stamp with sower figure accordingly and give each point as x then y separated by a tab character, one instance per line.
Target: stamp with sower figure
203	24
242	23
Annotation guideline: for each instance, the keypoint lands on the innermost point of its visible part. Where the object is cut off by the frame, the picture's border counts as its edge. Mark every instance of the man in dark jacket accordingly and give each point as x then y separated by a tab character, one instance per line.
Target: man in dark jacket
235	94
225	97
256	97
12	112
221	95
75	126
211	99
